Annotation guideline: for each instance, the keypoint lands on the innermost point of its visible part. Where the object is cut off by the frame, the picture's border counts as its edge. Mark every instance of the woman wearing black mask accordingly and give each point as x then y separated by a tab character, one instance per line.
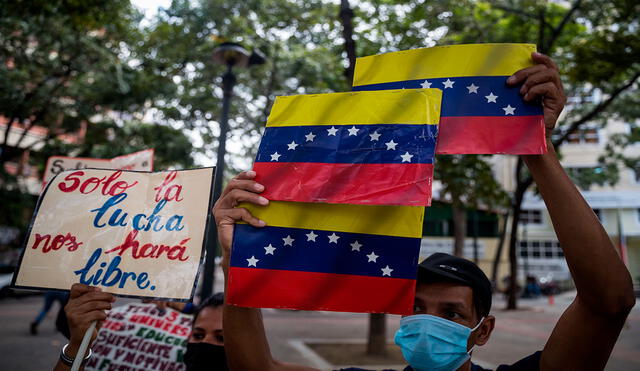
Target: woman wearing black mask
205	349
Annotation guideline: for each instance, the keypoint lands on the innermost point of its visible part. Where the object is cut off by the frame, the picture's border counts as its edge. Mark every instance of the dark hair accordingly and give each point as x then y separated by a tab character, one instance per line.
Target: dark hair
481	309
214	301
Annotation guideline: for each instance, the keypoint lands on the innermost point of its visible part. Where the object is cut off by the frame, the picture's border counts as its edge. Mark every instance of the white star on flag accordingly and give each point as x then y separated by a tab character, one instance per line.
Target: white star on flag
332	131
491	98
508	110
375	136
353	131
268	250
406	157
275	156
448	84
425	85
356	246
311	236
472	89
333	238
391	145
310	136
372	257
386	271
292	145
288	240
252	261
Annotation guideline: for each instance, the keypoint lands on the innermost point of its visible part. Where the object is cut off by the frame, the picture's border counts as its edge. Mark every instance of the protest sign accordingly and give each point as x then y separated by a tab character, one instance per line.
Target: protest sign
141	160
141	337
130	233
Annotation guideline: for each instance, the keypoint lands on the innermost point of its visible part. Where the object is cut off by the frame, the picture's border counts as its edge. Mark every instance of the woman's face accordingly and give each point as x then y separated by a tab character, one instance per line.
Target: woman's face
208	327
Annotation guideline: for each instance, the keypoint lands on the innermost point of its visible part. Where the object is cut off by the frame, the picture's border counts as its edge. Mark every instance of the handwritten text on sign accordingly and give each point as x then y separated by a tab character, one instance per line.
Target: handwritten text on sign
141	160
140	337
130	233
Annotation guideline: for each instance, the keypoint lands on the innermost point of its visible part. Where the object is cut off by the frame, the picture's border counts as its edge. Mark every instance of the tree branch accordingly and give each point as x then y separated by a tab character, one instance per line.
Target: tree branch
346	16
521	13
556	31
595	111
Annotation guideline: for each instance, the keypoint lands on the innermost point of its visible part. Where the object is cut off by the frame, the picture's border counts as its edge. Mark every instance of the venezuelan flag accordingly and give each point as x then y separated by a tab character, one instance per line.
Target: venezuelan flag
480	112
371	147
311	256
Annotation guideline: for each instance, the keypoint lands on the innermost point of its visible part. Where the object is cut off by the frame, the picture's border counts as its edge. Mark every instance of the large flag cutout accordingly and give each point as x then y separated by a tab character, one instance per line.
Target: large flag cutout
371	147
480	113
350	258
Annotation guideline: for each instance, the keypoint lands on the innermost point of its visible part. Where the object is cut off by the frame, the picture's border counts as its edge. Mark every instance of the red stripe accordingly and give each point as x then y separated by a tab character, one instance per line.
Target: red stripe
366	184
270	288
514	135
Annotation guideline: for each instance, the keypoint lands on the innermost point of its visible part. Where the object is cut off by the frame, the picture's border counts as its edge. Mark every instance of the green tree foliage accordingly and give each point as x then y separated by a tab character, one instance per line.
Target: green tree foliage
297	38
65	64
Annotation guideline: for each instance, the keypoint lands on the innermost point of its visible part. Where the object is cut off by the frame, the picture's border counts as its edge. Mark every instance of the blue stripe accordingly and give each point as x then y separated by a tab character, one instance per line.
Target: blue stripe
417	140
459	101
398	253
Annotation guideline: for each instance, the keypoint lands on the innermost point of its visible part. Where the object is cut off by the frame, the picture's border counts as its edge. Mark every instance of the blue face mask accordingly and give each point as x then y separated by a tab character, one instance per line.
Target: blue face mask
431	343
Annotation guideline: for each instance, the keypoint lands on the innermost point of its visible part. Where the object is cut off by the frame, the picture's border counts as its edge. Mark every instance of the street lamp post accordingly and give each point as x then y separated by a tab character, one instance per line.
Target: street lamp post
230	55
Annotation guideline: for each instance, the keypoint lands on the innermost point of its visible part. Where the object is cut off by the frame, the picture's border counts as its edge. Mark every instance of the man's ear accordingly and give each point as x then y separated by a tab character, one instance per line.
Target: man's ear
485	330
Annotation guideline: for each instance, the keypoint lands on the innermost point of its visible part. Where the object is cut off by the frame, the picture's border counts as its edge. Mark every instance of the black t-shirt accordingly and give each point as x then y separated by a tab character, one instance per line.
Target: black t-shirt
528	363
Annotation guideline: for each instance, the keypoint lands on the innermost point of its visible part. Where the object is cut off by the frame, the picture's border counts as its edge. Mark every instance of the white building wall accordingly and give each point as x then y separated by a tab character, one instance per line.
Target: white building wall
622	199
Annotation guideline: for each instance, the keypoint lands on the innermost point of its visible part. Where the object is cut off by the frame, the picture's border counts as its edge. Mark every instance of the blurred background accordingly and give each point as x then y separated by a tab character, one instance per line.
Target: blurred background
101	79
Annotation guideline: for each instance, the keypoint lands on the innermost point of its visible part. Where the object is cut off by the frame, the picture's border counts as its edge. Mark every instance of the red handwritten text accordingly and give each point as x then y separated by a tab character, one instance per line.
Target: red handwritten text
74	182
171	192
56	243
150	250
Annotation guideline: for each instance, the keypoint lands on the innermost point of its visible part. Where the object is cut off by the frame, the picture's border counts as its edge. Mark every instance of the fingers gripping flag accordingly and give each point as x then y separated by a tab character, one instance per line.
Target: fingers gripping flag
480	112
351	258
370	148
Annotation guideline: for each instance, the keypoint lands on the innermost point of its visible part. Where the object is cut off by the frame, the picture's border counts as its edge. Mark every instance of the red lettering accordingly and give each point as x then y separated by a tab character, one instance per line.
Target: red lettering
69	241
170	192
109	185
149	250
91	181
40	238
75	182
117	187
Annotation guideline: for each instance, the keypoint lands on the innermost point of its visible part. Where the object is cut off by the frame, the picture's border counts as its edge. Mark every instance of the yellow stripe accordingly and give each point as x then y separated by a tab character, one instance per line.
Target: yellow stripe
401	221
444	61
411	106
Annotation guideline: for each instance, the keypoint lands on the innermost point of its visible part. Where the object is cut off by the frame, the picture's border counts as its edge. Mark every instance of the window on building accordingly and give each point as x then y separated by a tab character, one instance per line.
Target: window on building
540	249
584	135
531	217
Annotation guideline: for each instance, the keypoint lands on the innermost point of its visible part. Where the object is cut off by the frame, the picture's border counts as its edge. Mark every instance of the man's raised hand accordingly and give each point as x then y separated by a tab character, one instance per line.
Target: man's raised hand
542	81
242	188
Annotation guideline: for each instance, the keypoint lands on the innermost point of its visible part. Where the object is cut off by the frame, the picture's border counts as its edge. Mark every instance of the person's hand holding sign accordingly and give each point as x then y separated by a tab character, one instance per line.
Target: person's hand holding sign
241	188
542	81
86	305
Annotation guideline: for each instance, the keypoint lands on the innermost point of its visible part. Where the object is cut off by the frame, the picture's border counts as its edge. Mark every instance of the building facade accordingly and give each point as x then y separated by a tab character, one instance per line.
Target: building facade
617	206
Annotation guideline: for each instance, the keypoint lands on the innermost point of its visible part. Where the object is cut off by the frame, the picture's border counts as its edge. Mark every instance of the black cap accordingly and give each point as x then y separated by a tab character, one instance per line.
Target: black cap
441	266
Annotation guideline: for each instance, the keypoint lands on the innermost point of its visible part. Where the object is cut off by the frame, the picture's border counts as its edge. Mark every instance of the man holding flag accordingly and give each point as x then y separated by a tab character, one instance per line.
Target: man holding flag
453	298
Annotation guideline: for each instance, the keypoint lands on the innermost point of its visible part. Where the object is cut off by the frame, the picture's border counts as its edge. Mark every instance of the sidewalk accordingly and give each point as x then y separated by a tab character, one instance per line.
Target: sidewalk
517	334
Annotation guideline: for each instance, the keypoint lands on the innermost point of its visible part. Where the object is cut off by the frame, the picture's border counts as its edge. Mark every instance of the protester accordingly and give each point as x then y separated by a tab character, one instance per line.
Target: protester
453	299
205	349
50	297
86	304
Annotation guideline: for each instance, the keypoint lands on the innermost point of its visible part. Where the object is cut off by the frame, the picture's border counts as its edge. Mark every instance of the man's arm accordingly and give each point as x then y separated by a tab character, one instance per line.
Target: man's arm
585	334
245	342
86	304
